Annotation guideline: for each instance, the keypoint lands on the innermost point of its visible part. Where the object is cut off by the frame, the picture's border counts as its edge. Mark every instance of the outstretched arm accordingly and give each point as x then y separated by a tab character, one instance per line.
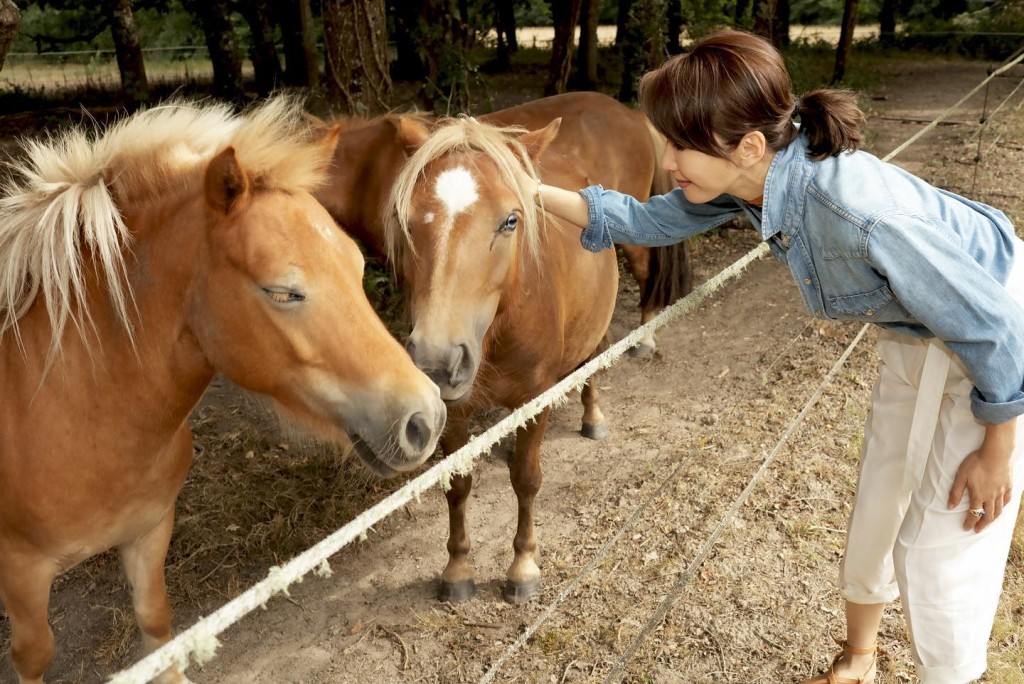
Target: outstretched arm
564	204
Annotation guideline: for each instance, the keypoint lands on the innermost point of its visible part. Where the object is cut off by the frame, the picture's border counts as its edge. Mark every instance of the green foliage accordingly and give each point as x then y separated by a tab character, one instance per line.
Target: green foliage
830	12
975	33
701	17
533	13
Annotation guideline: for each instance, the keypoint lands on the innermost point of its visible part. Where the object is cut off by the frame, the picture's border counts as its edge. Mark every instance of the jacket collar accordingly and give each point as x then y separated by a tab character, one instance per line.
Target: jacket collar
788	176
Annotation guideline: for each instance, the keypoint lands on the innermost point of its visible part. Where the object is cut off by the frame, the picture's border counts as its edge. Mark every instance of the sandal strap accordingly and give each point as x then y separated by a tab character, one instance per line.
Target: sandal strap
859	650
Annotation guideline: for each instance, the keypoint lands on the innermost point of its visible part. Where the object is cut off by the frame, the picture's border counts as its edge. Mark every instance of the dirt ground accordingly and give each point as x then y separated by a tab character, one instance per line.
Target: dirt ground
697	420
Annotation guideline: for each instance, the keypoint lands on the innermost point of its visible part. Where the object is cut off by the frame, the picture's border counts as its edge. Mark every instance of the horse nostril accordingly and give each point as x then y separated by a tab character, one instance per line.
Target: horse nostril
417	432
410	348
461	365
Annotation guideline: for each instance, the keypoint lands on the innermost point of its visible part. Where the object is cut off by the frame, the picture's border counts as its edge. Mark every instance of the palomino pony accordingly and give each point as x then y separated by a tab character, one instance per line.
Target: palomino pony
504	302
182	243
610	144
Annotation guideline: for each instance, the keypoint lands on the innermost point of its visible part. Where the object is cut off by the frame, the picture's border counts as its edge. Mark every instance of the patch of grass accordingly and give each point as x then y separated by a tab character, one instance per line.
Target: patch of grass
554	640
120	638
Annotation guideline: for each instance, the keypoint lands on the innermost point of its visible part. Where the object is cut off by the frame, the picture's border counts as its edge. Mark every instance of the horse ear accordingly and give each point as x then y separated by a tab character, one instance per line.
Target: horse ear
411	134
537	141
225	185
328	142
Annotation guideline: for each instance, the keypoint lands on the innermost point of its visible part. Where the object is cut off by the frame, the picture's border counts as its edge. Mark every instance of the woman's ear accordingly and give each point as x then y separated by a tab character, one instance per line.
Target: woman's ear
751	149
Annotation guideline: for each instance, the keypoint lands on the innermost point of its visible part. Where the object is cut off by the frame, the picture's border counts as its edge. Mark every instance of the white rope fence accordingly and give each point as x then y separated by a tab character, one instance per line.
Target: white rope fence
199	642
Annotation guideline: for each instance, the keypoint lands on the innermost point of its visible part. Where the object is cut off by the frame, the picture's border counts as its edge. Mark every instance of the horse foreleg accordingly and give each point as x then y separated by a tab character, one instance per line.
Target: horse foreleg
143	562
523	579
457	579
594	424
25	591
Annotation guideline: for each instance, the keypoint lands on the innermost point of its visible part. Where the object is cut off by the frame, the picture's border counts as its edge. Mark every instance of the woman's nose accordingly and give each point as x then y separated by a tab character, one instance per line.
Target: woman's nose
668	160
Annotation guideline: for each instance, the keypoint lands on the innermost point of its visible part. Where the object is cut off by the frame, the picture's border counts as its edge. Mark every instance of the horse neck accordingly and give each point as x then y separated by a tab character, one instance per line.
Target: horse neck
158	370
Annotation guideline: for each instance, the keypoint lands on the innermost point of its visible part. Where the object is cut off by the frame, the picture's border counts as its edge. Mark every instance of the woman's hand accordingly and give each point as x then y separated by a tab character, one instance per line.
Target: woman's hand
986	475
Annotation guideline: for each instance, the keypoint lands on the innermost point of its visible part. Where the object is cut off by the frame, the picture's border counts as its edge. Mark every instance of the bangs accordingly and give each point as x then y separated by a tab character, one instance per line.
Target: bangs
684	116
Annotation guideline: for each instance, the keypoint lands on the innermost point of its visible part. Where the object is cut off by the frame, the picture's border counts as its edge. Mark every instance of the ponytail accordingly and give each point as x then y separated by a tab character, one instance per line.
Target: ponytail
831	120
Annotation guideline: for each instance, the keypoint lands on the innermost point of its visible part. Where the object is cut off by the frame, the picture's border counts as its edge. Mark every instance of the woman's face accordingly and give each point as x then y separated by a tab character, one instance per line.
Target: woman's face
701	176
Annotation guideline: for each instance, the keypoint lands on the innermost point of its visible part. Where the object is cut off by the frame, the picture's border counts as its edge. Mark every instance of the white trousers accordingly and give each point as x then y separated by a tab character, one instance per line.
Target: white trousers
902	540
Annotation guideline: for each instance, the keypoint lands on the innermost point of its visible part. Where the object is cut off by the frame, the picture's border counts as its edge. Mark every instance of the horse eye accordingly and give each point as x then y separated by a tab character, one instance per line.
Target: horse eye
509	224
284	296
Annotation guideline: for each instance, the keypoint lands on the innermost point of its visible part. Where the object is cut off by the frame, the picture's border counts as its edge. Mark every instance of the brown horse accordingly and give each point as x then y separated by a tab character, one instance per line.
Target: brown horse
181	243
504	302
611	144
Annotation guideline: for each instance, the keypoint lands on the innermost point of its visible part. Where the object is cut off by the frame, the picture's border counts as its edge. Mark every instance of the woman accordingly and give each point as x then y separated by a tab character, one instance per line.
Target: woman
942	275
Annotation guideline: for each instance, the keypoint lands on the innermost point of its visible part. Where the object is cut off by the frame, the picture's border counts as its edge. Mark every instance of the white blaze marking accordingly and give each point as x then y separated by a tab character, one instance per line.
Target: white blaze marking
428	217
457	190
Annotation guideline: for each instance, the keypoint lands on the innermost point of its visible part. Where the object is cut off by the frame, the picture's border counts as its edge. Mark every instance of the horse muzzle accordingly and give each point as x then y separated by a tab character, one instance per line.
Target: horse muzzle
413	440
453	369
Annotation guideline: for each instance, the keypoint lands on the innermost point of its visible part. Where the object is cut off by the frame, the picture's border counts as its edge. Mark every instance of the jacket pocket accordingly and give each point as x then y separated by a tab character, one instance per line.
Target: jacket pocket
878	304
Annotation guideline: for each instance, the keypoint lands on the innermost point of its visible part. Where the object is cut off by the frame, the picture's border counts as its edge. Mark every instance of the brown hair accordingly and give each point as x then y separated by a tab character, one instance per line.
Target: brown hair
732	83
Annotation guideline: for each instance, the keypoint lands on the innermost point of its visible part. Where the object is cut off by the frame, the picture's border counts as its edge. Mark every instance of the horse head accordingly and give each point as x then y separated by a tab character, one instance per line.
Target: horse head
464	224
280	309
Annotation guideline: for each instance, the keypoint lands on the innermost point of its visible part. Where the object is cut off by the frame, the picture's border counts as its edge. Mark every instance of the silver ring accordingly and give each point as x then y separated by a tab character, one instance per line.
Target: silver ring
977	512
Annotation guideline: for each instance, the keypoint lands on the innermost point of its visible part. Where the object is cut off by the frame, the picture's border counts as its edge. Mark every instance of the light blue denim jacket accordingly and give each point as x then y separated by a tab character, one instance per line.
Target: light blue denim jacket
866	241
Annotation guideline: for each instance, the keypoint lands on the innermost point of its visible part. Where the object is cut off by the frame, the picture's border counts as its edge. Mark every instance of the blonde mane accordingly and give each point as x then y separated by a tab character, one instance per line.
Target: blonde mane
64	204
453	135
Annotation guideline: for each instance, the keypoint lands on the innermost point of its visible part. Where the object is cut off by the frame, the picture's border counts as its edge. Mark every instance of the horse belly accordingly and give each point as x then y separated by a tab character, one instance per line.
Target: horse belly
71	499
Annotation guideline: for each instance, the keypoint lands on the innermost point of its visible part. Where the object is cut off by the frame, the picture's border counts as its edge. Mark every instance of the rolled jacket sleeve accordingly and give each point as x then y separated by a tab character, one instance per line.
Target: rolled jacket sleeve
952	295
661	220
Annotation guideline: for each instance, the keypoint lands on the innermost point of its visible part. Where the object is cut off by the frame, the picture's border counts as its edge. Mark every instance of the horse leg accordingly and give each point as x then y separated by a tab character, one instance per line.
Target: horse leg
523	579
457	579
143	561
638	260
25	591
594	424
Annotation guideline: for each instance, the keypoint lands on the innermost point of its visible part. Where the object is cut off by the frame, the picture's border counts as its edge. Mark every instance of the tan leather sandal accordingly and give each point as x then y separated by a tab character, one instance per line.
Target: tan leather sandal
830	677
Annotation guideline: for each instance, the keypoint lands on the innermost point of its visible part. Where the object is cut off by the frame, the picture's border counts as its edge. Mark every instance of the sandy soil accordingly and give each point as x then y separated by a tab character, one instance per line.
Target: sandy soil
696	421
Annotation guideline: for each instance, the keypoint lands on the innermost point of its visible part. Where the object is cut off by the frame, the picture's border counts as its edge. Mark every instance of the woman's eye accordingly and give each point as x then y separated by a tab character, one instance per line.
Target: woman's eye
509	224
284	296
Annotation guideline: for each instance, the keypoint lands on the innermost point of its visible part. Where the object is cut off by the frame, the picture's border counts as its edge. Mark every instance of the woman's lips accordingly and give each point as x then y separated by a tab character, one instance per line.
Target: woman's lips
683	183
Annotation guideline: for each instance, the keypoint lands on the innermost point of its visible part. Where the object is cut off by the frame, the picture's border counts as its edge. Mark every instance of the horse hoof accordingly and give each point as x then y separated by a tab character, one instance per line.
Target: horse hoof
599	431
456	592
643	350
521	592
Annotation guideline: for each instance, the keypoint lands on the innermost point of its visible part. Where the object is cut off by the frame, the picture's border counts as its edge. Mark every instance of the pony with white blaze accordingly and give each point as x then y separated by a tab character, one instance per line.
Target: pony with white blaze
504	301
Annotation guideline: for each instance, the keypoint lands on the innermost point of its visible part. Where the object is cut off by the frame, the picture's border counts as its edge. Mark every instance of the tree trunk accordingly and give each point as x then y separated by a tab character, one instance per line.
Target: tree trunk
446	87
505	18
674	27
564	15
763	11
643	46
129	53
845	39
410	64
295	17
780	24
622	22
263	53
887	23
586	56
10	19
356	59
214	17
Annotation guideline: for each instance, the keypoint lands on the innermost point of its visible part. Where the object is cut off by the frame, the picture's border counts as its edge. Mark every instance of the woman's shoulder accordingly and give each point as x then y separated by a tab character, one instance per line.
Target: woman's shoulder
862	188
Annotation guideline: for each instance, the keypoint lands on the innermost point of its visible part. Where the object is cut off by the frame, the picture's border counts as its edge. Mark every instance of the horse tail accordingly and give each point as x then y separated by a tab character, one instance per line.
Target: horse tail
671	274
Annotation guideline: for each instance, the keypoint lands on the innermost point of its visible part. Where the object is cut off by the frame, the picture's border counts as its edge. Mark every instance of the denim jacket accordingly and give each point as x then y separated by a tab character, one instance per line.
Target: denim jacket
866	241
